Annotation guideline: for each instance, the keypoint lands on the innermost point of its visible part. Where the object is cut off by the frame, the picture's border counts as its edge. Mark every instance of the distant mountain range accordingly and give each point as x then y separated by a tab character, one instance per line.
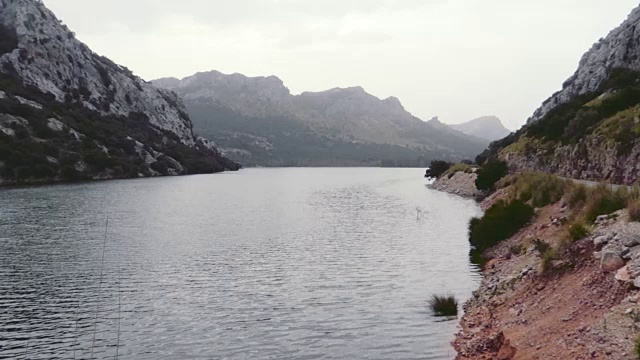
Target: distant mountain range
68	114
487	127
257	121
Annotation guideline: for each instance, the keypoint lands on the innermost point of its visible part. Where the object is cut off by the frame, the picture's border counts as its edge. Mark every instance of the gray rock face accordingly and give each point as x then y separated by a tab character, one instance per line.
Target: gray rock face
51	58
487	127
619	49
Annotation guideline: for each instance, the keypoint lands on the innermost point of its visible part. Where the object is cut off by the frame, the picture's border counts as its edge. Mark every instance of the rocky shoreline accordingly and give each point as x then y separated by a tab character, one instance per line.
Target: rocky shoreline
459	183
586	307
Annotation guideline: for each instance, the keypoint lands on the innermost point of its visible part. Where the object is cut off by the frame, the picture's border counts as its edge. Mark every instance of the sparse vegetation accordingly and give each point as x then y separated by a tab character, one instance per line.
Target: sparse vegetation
547	259
500	222
577	230
516	249
634	210
460	167
602	201
541	246
636	348
538	188
444	305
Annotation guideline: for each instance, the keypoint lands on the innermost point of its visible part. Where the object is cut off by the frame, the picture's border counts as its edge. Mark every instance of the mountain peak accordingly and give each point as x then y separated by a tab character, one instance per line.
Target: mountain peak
485	127
617	50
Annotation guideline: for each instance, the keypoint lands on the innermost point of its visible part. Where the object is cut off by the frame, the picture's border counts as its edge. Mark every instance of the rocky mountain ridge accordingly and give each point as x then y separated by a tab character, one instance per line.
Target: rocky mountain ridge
63	107
487	127
619	49
248	116
590	130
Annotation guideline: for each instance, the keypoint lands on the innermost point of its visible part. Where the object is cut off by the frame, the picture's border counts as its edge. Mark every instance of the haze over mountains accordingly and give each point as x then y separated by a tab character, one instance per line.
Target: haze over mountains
257	121
487	127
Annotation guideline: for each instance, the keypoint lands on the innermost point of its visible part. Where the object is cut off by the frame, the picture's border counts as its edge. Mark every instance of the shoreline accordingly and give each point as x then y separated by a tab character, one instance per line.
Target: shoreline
575	311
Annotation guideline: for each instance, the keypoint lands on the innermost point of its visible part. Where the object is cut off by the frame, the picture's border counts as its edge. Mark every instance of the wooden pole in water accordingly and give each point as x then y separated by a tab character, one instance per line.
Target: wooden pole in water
95	322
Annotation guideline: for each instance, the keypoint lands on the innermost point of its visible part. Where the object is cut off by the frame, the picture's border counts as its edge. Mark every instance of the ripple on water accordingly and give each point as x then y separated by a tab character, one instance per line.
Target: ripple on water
265	264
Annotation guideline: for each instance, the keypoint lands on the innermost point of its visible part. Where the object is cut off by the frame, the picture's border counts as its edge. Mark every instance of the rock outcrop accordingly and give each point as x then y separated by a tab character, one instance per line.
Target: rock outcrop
67	113
620	49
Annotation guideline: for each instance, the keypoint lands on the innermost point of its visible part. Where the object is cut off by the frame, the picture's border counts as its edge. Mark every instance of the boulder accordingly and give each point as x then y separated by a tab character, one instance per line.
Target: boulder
631	241
610	261
623	274
600	241
636	282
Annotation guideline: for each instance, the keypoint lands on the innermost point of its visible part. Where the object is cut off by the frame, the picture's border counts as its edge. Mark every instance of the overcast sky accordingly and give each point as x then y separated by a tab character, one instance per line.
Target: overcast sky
458	59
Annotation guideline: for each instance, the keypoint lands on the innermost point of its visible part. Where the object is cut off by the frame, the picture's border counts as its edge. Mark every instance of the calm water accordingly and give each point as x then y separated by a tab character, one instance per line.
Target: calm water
259	264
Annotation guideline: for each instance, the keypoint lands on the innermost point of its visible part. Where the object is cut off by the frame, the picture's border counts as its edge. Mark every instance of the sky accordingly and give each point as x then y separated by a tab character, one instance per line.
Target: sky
456	59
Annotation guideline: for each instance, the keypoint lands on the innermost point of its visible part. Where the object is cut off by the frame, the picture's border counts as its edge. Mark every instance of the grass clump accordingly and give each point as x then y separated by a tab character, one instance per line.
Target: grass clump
577	230
444	305
634	210
547	259
539	188
460	167
516	249
541	246
501	221
603	201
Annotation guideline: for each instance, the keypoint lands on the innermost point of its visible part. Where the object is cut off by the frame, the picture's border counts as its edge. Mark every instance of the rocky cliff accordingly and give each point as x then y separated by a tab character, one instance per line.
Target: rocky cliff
63	107
257	120
620	49
590	129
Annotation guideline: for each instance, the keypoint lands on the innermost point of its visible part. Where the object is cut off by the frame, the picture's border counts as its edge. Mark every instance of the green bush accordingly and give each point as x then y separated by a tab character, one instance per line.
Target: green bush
444	305
500	222
603	201
516	249
437	168
539	188
578	230
490	173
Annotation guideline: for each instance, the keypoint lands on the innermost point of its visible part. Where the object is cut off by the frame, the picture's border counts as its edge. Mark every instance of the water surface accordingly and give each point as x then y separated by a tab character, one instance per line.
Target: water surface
259	264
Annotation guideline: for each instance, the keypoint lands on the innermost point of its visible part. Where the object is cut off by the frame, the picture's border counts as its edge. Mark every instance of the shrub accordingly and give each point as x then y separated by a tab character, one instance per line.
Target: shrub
546	264
634	210
577	195
602	201
8	39
541	189
577	230
444	305
500	222
541	246
437	168
516	249
490	173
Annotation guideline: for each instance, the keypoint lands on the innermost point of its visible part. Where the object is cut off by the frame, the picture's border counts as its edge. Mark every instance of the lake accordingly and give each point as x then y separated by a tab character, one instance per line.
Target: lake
299	263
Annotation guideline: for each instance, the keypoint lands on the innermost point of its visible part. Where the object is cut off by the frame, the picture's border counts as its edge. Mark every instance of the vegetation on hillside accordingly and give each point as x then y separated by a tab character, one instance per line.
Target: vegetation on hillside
490	173
35	148
501	221
438	168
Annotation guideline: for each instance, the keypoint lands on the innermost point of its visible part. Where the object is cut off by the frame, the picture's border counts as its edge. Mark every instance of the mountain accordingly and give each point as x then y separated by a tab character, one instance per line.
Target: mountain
67	113
487	127
589	129
257	121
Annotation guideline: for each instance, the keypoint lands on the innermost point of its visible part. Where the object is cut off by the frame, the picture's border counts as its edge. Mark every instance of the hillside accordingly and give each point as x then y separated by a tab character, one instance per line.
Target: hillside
69	114
487	127
588	130
257	121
